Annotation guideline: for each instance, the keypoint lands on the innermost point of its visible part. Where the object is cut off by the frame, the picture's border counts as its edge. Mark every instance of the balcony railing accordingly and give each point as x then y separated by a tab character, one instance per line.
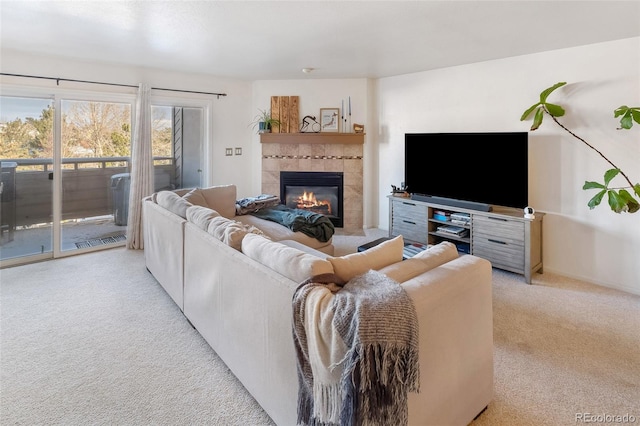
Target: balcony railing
27	187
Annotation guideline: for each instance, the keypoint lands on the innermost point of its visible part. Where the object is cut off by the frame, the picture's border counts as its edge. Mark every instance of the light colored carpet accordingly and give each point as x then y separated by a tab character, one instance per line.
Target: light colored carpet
93	339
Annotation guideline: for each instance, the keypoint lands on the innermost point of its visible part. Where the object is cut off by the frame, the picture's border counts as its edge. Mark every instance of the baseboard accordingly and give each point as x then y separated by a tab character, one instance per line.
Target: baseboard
613	286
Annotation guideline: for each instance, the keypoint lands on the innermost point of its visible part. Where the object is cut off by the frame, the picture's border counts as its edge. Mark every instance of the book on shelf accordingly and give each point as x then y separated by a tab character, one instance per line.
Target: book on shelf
440	217
461	216
463	248
457	231
411	250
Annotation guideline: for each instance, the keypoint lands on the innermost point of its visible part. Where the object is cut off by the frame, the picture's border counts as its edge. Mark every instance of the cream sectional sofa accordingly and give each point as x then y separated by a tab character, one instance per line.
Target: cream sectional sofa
164	219
238	287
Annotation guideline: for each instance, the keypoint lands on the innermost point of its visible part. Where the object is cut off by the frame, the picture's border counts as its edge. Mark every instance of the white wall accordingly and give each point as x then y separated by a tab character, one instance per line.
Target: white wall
228	114
595	245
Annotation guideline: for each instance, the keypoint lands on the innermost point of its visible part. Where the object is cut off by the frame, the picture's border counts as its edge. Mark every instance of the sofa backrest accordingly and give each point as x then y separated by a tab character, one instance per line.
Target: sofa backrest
221	198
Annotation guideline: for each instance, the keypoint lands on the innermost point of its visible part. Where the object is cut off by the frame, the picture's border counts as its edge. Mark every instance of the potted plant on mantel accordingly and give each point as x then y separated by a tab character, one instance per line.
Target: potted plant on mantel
263	121
621	199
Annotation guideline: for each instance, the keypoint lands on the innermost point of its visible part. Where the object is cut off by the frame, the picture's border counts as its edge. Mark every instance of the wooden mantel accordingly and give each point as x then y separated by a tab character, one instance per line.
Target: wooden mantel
326	138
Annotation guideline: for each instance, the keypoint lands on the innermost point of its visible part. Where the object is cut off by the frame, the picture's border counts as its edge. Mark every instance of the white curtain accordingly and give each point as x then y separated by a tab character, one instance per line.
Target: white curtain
141	168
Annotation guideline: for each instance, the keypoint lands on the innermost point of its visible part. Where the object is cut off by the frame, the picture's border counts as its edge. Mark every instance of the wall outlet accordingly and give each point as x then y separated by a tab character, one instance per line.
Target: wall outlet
228	151
238	151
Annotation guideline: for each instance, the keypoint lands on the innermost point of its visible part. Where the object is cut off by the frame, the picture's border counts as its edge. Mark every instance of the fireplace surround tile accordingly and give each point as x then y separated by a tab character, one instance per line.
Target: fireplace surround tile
305	149
289	149
353	166
270	177
270	149
353	150
334	150
318	150
270	164
289	164
346	158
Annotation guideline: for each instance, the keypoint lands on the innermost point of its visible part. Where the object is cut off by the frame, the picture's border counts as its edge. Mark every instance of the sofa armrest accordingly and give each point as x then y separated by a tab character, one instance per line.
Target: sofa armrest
163	234
455	315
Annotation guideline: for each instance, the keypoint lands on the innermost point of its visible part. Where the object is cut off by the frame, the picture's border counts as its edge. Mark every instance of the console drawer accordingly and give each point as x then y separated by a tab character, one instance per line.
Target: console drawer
500	241
409	220
504	228
501	253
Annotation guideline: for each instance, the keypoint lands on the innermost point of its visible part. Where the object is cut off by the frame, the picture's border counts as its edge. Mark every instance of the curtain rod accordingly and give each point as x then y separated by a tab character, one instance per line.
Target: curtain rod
58	80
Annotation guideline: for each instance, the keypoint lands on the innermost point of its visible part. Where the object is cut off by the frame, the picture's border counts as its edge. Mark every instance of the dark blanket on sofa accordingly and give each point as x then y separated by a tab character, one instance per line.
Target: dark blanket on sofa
313	224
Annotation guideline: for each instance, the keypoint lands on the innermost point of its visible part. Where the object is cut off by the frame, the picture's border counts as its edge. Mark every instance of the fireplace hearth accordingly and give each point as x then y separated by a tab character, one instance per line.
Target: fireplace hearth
319	192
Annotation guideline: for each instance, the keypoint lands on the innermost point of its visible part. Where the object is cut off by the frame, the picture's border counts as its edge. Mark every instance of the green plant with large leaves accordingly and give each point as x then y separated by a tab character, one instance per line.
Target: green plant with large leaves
621	199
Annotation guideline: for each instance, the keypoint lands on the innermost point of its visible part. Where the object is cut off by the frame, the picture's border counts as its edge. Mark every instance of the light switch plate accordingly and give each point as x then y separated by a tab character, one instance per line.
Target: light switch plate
238	151
229	151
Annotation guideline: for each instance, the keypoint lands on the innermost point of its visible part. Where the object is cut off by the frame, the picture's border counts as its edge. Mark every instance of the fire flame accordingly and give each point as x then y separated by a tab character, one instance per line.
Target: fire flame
308	200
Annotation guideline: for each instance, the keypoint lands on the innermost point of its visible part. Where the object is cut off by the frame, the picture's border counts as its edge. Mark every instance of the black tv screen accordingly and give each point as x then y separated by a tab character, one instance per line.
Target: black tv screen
486	168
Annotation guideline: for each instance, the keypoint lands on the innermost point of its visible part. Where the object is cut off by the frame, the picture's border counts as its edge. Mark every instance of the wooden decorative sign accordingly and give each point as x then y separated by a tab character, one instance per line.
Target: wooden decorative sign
285	109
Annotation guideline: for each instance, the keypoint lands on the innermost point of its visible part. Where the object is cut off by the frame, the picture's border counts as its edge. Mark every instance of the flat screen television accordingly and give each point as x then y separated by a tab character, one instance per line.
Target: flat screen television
470	170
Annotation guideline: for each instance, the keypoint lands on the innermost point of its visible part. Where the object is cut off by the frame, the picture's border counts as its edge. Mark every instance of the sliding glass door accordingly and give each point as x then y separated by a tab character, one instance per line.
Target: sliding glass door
66	164
26	185
65	167
95	173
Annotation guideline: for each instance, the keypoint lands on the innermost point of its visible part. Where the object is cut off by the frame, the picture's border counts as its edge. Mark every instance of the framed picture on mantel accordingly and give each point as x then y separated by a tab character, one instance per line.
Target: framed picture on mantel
330	119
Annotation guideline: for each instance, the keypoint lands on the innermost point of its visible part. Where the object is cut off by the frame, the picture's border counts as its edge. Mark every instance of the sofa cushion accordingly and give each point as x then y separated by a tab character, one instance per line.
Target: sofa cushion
303	247
195	197
221	198
438	254
230	231
422	262
278	232
288	261
173	202
377	257
200	216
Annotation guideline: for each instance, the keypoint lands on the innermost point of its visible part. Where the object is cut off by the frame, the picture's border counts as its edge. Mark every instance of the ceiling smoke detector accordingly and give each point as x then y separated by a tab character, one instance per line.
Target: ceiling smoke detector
307	70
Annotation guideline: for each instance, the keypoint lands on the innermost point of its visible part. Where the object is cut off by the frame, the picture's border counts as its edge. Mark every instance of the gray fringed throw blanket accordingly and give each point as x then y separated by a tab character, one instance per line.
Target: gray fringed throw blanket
357	350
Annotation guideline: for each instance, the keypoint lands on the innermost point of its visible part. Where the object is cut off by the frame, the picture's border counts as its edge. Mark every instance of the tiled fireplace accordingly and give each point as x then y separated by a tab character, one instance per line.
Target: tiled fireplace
317	152
318	192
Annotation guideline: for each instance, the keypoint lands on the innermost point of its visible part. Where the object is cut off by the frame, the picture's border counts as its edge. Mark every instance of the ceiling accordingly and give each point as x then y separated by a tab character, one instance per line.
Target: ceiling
264	40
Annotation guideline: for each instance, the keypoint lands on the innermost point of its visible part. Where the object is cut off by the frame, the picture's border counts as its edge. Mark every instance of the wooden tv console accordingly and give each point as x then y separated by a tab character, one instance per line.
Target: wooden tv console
502	236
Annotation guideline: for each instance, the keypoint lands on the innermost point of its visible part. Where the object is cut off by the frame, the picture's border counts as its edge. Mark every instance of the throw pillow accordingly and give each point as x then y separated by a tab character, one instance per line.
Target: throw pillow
173	202
195	197
422	262
377	257
222	199
200	216
438	255
288	261
228	231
